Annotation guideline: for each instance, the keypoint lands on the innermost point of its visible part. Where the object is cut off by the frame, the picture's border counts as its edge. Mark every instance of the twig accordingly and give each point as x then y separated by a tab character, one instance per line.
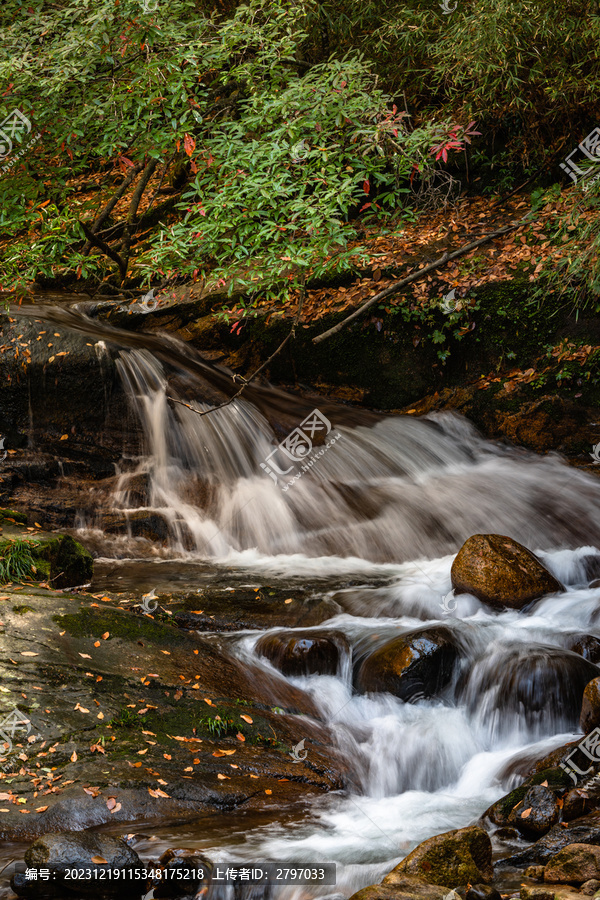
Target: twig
398	285
247	381
108	251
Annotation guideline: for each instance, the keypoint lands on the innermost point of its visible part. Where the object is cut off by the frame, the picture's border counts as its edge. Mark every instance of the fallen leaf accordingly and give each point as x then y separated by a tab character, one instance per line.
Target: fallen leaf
222	777
268	791
105	635
74	756
41	809
115	809
111	802
141	752
240	737
247	719
99	859
96	643
85	656
29	653
526	813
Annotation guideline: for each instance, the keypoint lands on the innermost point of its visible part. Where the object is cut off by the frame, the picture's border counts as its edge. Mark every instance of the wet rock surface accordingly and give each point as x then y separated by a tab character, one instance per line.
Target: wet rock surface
574	864
455	858
536	813
305	652
413	666
132	719
501	572
590	706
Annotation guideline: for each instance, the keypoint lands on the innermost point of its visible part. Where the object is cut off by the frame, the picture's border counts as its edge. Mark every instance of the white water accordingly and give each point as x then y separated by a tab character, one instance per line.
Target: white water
401	490
392	501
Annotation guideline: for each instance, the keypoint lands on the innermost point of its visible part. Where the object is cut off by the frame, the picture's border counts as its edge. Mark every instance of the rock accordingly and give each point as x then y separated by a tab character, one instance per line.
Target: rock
36	890
412	666
536	813
531	682
455	857
404	887
533	892
482	892
196	867
574	864
304	652
70	564
590	887
501	572
69	850
586	645
583	831
535	872
575	803
590	706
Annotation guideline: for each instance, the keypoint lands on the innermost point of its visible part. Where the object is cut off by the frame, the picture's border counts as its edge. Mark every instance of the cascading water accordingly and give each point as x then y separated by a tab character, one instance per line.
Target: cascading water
386	506
394	499
402	489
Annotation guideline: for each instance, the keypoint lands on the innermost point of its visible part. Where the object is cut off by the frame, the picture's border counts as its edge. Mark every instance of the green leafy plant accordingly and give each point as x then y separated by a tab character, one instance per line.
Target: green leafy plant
16	560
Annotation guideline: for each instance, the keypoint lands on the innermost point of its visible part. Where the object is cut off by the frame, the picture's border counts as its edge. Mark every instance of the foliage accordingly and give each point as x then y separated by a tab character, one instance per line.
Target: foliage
275	151
16	560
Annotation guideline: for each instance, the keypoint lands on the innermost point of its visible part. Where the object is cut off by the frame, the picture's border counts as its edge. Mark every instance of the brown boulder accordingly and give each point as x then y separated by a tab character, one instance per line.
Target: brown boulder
412	666
501	572
404	888
304	652
590	706
455	857
574	864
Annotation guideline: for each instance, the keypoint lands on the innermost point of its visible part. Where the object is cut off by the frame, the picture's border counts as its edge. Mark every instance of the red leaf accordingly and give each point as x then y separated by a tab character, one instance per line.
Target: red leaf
366	186
189	144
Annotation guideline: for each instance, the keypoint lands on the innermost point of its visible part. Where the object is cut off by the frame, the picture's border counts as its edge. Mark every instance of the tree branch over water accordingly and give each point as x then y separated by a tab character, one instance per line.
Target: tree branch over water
247	381
414	276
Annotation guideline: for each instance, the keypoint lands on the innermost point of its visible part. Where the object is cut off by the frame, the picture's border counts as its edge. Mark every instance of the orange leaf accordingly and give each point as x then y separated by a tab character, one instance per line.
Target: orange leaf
189	144
247	719
99	859
526	813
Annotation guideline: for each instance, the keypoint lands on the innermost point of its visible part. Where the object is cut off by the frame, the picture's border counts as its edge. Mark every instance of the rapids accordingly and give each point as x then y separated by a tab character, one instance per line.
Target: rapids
386	506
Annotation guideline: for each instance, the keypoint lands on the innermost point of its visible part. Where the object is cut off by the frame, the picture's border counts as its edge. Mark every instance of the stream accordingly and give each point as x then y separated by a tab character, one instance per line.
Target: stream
370	515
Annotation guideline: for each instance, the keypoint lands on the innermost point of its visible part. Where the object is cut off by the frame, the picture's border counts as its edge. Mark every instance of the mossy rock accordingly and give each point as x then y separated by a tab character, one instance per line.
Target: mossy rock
454	858
18	517
64	562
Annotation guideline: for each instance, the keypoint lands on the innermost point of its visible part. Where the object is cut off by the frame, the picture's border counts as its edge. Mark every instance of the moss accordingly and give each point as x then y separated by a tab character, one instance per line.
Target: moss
69	562
21	518
128	627
21	610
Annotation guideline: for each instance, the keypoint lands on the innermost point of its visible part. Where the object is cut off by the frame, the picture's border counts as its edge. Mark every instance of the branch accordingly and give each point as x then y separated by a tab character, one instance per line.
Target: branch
108	251
133	208
414	276
111	205
247	381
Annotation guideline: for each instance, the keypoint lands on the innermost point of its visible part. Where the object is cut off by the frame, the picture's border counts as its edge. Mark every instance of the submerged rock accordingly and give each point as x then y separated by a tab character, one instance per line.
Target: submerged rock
501	572
457	857
590	706
413	666
586	645
304	652
574	864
